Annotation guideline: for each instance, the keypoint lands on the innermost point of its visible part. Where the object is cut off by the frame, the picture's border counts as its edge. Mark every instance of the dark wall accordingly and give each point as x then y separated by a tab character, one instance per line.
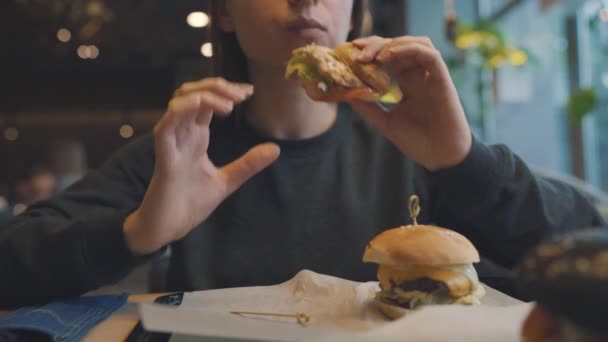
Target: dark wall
147	50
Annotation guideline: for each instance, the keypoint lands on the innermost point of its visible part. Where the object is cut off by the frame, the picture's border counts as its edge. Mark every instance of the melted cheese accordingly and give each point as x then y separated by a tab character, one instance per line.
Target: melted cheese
461	280
473	298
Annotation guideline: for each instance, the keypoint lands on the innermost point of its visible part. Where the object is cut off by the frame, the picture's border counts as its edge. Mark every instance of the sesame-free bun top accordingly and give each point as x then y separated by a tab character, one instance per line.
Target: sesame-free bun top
420	245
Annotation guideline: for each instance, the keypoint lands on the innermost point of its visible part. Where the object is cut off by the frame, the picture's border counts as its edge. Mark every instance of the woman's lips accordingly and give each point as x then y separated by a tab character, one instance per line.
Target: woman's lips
305	24
306	27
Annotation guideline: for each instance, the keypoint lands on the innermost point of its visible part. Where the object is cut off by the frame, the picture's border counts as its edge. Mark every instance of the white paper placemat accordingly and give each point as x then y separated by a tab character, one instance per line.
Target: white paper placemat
338	309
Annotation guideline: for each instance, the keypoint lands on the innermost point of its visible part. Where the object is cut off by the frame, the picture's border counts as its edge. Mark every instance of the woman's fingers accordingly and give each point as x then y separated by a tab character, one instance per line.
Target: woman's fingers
237	92
414	55
251	163
185	112
372	47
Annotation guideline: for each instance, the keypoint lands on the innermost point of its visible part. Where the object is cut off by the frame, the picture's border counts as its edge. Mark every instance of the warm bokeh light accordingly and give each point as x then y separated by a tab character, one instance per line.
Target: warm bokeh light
19	208
64	35
3	203
198	19
93	51
88	51
83	51
11	133
207	50
126	131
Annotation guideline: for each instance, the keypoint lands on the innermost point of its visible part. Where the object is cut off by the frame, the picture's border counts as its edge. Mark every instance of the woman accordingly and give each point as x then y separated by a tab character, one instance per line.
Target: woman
213	186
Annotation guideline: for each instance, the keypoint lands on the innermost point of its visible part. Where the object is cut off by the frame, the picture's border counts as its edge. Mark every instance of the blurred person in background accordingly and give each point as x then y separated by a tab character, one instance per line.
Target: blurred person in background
68	161
341	177
5	210
40	184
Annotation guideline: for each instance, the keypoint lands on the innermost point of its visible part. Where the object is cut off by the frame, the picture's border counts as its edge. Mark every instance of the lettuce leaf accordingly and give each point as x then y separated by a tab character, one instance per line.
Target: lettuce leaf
306	71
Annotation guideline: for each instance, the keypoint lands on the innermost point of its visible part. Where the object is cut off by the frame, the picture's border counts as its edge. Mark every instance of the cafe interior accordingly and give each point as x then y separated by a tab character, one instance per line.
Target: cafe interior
83	79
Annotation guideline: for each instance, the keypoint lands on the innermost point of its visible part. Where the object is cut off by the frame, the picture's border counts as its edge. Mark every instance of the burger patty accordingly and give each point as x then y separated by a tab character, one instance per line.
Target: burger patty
423	285
419	291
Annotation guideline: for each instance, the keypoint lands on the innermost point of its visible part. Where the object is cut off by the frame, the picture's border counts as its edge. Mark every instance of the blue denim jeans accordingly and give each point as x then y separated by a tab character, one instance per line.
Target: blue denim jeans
67	320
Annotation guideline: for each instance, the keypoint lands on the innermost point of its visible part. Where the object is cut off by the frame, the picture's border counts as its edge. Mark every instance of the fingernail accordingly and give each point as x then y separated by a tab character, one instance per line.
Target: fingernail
244	90
271	151
384	55
362	56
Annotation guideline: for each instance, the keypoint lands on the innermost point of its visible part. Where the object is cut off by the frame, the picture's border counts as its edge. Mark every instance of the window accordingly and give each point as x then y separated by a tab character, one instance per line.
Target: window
592	27
529	112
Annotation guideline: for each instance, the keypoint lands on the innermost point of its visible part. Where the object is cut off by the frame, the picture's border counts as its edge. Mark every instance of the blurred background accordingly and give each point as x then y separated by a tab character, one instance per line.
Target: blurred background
80	78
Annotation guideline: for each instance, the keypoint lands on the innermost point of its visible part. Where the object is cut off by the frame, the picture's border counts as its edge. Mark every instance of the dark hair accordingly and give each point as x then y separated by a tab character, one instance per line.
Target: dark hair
230	62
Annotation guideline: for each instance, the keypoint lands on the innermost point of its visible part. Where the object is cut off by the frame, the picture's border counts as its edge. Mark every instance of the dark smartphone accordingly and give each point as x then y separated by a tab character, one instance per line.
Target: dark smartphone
139	334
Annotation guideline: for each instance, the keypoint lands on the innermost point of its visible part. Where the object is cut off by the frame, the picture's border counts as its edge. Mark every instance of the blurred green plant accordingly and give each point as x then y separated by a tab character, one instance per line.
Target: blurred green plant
581	103
482	49
488	42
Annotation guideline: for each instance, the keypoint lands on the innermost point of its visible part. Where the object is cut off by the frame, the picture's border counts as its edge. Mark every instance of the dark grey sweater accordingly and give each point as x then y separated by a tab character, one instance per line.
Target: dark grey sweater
315	208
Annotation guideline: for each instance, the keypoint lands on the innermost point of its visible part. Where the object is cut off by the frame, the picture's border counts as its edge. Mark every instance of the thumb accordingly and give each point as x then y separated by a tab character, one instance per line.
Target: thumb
252	162
371	112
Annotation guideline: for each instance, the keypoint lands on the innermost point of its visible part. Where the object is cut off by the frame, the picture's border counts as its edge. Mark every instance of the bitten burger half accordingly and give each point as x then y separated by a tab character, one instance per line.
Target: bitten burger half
423	265
335	75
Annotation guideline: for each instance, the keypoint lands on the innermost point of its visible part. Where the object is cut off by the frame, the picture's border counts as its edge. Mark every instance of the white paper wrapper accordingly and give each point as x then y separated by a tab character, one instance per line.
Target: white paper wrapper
449	323
338	309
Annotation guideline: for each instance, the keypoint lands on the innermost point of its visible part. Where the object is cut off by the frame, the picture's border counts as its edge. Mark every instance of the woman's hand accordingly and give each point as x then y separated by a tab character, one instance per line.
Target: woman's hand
429	125
186	187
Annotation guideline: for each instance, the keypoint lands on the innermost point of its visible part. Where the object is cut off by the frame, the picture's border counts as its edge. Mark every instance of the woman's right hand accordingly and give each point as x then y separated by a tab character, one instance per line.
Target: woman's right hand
186	187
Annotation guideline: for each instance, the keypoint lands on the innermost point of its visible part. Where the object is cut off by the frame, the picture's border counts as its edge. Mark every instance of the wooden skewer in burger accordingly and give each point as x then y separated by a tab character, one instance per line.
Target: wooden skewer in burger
423	265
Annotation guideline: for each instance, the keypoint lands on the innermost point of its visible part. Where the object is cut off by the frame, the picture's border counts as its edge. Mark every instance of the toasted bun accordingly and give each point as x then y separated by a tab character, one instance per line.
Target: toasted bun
373	74
391	311
420	245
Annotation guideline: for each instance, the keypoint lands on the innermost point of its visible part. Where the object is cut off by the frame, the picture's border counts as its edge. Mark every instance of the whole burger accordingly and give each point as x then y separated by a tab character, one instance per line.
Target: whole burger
423	265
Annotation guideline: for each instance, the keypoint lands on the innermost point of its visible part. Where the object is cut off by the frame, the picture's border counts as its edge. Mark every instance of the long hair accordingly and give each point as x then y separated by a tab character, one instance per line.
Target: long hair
229	60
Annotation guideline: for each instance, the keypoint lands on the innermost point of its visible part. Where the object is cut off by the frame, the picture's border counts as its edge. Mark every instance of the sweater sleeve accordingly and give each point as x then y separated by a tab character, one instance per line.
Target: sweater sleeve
74	242
494	199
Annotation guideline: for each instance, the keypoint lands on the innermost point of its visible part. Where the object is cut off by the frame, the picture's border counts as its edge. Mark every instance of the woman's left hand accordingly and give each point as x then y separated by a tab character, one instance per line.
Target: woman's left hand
429	125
